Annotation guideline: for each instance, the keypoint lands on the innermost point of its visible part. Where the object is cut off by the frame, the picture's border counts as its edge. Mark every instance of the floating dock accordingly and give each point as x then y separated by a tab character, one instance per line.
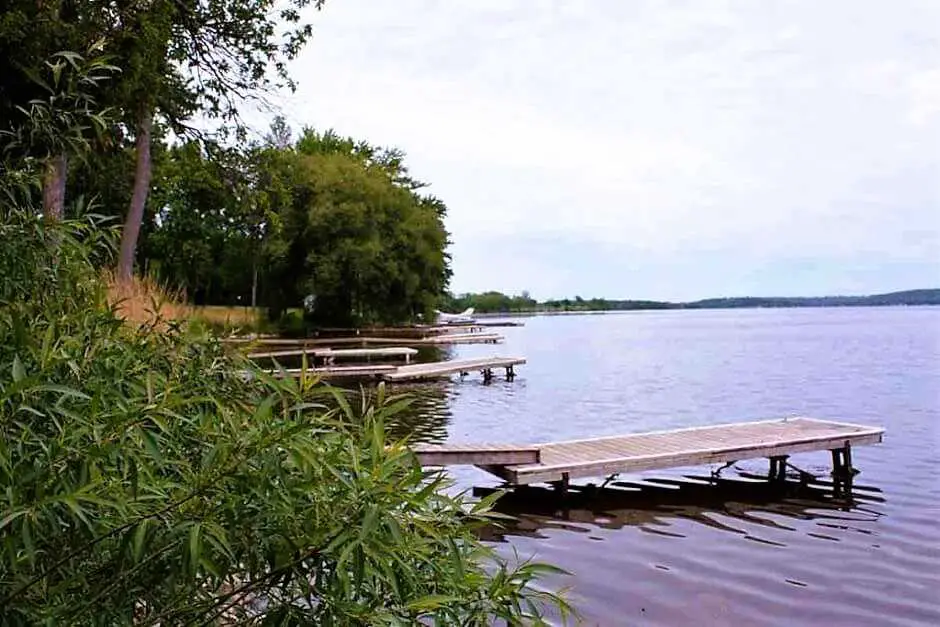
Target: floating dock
330	355
557	462
412	372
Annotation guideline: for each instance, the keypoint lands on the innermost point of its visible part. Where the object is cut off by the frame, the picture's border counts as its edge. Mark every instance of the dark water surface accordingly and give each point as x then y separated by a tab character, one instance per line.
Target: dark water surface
671	548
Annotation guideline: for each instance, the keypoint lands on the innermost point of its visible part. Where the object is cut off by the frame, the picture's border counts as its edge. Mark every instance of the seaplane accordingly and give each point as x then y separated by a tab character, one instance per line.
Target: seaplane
464	317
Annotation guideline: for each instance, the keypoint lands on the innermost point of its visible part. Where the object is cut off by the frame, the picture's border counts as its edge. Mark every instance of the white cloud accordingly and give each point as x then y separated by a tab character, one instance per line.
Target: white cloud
665	128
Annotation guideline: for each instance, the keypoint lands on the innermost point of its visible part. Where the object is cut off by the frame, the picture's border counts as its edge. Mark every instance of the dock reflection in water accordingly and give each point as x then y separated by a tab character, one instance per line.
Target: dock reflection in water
648	504
687	550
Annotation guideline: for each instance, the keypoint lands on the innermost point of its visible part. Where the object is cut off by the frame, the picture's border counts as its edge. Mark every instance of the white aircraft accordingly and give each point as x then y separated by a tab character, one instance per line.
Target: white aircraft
464	317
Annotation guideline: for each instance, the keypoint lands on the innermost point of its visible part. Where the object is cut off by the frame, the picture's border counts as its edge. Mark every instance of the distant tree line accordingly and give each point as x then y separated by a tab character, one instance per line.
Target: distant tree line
497	302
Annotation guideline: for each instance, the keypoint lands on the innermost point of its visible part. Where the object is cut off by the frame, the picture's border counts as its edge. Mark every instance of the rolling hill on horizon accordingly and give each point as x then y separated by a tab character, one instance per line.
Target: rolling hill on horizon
930	296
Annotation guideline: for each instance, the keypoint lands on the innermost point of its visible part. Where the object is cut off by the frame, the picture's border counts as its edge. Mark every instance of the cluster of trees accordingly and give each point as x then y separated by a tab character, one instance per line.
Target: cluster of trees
335	221
326	219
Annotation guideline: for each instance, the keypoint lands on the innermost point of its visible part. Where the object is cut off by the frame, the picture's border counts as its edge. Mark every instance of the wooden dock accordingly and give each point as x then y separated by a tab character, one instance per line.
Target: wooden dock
463	338
367	341
358	373
435	370
557	462
330	355
412	372
489	323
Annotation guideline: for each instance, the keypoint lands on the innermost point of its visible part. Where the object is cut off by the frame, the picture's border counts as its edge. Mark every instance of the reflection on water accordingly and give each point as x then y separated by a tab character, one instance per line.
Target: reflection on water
428	416
650	503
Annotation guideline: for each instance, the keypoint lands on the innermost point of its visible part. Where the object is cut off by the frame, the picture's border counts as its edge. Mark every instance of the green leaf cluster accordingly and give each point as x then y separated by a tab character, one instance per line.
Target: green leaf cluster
149	477
357	235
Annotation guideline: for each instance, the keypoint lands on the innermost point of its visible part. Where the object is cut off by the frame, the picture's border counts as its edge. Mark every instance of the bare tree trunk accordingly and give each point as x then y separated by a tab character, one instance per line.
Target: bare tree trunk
135	212
254	284
53	187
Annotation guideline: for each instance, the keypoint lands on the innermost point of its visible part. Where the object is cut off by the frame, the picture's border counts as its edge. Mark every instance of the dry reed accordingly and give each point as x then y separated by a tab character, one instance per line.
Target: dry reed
144	301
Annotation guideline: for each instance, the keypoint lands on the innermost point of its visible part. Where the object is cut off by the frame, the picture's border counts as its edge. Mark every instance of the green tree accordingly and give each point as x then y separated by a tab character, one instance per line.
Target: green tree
356	235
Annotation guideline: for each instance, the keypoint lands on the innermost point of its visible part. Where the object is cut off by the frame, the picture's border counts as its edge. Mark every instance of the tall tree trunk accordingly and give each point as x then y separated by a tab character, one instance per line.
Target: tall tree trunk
135	212
254	284
53	187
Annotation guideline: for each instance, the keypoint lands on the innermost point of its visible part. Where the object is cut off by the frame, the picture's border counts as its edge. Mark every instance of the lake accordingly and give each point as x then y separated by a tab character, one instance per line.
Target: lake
671	547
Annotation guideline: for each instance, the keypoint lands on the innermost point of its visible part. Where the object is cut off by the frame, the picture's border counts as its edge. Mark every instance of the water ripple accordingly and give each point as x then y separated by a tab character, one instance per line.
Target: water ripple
674	547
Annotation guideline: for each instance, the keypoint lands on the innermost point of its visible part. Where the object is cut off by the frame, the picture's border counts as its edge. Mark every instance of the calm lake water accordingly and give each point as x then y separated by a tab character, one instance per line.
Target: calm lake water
668	547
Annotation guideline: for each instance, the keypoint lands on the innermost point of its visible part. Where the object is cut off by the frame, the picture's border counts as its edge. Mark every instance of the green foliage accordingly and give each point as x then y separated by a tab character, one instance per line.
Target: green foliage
62	116
202	239
354	233
145	479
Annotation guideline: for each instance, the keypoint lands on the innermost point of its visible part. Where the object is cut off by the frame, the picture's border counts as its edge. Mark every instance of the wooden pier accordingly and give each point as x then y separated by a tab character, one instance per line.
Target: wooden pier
357	373
557	462
365	341
330	355
412	372
485	366
463	338
487	323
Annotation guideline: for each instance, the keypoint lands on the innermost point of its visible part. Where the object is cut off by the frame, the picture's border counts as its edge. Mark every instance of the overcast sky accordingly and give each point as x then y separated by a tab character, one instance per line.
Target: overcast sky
652	149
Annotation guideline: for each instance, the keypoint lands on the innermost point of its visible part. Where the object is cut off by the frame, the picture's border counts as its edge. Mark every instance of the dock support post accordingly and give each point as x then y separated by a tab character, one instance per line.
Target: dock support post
561	487
487	375
778	468
847	460
510	373
842	471
836	461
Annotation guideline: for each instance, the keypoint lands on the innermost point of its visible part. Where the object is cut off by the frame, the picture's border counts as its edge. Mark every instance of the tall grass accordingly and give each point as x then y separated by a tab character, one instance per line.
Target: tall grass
144	301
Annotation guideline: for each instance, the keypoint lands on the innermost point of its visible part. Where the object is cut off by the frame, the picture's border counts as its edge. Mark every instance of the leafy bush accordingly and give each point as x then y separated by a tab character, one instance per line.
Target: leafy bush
144	479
